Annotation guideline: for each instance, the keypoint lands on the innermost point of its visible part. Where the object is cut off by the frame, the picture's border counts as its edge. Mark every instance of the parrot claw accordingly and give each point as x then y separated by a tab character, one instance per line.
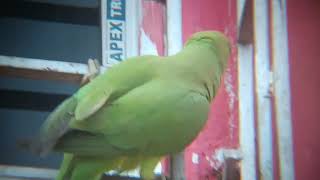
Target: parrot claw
93	71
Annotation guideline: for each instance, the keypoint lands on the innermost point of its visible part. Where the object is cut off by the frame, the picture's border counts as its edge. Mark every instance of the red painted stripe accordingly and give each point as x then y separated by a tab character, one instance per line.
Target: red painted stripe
304	53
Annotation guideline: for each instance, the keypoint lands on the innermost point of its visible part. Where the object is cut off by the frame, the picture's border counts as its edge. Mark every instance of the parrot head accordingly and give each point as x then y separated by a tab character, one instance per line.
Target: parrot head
217	40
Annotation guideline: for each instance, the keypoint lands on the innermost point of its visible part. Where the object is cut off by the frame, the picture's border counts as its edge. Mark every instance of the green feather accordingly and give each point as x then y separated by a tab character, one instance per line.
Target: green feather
139	110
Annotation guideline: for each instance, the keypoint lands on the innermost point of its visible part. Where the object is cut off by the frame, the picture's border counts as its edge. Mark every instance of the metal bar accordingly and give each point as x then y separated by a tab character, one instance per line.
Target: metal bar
174	35
246	112
280	67
246	94
50	12
262	88
26	172
10	172
41	69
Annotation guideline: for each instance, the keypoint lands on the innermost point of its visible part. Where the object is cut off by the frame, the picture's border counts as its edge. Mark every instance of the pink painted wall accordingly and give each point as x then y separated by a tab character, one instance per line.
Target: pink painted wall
304	39
221	130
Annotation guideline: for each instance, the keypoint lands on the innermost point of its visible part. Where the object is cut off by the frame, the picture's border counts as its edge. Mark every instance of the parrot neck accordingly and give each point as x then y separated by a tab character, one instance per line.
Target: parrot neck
204	66
203	54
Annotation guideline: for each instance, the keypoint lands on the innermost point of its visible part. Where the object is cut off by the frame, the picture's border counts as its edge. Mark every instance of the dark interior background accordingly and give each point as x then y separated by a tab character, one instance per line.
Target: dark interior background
61	30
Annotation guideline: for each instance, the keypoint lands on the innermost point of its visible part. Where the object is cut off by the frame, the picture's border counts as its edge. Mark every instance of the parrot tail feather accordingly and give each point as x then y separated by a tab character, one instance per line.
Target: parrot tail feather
23	143
55	126
31	145
86	144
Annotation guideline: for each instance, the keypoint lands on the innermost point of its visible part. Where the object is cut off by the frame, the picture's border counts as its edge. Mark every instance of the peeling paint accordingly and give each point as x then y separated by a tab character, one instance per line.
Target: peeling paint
229	87
158	169
195	158
211	162
216	159
147	46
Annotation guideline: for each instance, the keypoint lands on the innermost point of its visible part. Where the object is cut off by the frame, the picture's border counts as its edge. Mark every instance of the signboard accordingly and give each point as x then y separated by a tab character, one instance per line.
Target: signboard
115	31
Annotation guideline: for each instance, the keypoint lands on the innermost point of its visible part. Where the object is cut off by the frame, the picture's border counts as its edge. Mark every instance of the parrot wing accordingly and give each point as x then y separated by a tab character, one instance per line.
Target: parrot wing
100	92
114	83
145	120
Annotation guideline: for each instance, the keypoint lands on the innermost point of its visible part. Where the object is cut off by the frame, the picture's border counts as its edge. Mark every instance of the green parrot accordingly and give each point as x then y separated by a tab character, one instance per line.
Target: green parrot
136	112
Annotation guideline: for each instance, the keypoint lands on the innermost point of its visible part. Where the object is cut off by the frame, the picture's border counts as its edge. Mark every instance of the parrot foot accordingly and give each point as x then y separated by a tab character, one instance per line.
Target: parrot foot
93	71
